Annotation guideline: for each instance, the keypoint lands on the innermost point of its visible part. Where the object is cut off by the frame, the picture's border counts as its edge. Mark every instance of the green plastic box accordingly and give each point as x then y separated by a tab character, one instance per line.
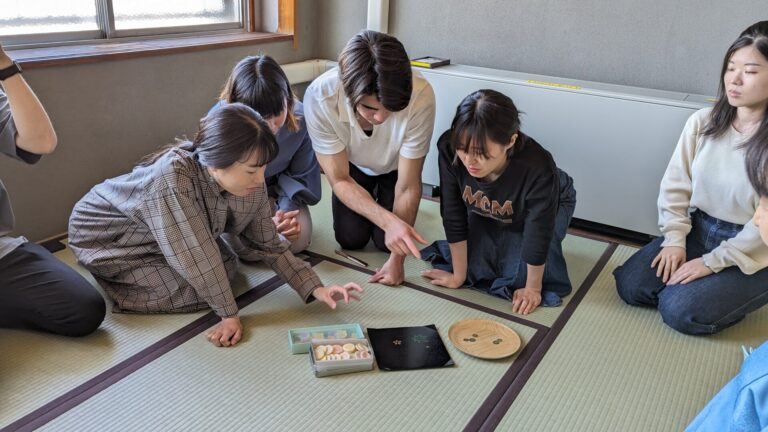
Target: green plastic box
300	339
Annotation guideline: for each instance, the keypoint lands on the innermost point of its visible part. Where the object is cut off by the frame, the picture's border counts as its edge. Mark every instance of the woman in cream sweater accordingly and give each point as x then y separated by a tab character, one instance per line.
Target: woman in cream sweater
708	269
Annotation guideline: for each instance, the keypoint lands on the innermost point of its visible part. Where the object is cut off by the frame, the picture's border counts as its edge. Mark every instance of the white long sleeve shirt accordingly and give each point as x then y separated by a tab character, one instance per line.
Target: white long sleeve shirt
708	173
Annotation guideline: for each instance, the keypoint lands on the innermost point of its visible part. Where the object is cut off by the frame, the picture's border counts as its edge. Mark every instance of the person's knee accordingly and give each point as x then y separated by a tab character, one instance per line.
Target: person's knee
680	323
87	324
379	240
305	236
626	287
351	239
90	311
302	243
352	243
678	312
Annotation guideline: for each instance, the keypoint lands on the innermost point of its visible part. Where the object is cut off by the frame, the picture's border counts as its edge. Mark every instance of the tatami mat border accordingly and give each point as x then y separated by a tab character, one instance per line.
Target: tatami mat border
411	285
488	407
83	392
531	347
493	408
513	390
487	417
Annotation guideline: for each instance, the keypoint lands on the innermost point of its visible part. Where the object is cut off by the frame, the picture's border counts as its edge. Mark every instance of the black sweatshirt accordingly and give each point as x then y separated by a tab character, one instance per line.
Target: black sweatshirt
523	198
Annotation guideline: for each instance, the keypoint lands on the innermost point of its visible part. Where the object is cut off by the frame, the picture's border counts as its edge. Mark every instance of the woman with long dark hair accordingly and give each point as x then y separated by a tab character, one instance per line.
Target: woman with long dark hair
739	406
152	237
293	176
505	206
708	269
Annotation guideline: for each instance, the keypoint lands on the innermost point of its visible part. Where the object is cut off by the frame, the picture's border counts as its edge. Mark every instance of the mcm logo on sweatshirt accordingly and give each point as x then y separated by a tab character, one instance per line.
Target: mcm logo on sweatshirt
487	207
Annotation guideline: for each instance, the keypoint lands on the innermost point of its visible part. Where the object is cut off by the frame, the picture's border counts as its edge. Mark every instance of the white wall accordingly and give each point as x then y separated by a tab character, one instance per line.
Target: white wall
669	45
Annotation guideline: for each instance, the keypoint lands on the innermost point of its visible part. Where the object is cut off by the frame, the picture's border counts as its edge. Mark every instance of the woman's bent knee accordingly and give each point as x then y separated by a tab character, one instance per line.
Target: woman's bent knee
87	312
680	314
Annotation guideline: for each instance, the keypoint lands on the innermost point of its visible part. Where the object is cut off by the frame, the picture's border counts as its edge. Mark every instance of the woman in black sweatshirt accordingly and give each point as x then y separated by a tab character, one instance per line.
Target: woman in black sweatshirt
505	207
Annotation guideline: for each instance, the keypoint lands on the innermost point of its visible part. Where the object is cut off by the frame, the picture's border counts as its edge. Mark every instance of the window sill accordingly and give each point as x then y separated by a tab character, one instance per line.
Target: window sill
98	52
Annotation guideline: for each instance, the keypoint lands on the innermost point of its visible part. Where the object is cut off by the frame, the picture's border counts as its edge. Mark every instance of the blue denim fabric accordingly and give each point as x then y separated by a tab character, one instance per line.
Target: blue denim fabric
706	305
495	264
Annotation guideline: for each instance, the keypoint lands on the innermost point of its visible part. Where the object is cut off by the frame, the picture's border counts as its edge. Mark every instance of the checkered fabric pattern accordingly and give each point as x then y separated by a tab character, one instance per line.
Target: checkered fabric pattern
152	238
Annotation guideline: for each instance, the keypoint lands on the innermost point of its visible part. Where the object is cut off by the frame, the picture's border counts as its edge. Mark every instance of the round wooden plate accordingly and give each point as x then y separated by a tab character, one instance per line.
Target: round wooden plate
484	338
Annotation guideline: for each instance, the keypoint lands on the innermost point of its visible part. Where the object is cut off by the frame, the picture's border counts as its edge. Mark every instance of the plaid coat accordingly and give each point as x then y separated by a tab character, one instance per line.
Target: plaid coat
151	238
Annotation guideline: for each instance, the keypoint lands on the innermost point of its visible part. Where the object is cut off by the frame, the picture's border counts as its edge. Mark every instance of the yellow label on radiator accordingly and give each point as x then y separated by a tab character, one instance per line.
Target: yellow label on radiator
551	84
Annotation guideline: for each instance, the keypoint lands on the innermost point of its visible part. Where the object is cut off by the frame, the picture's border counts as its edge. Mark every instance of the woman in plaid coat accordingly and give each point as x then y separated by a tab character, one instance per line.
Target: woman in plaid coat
151	237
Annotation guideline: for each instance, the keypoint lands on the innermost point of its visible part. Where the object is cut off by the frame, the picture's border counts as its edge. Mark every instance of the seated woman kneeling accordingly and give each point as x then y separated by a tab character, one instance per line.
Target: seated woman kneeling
505	207
709	268
152	237
293	177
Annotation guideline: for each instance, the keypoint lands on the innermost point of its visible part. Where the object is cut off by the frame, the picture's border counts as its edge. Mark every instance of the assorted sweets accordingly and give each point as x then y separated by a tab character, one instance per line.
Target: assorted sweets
340	356
307	336
347	351
334	349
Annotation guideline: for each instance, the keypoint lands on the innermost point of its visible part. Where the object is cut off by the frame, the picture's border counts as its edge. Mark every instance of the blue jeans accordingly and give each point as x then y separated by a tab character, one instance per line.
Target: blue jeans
706	305
495	265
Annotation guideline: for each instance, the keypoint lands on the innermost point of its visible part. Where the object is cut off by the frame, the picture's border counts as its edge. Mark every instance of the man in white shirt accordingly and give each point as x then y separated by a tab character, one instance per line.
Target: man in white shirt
371	123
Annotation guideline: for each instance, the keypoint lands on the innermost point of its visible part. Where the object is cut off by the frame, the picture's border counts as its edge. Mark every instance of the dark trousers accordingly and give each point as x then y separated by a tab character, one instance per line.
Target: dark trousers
39	292
354	231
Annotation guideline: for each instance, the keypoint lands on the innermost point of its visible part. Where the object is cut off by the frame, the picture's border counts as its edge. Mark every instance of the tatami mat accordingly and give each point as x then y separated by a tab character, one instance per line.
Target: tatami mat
36	368
581	255
259	385
619	368
613	367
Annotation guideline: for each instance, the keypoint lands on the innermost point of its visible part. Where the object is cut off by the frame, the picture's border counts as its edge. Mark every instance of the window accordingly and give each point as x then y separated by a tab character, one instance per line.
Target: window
24	22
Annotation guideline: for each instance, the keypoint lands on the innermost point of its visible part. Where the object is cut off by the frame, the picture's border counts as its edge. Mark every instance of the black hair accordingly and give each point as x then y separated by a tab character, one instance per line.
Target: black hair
484	114
756	158
374	63
233	133
260	83
723	113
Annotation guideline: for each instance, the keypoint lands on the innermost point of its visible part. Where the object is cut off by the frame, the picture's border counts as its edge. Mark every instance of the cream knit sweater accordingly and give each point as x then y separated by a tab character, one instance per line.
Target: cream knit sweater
708	173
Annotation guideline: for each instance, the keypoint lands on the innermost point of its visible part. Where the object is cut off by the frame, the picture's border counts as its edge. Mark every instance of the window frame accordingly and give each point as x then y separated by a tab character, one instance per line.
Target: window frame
108	34
51	39
53	54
